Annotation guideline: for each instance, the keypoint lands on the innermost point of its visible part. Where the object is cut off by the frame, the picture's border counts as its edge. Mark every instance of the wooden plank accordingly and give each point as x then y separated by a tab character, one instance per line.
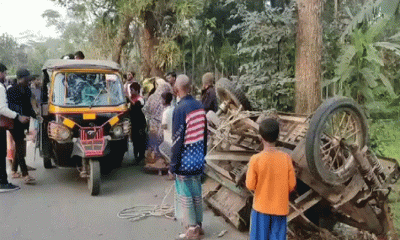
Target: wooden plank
229	156
226	182
303	205
220	170
231	206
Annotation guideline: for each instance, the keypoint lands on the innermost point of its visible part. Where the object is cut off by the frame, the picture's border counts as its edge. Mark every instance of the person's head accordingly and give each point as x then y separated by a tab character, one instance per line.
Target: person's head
3	72
171	78
23	77
135	88
79	55
269	130
182	86
130	76
167	98
10	81
208	80
36	82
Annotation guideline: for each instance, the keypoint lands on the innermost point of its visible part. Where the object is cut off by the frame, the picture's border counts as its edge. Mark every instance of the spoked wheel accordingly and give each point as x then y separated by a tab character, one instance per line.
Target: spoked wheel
230	96
337	123
94	177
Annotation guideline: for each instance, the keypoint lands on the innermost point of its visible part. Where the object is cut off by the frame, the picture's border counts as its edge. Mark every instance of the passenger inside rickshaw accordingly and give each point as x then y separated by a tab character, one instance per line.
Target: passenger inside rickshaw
87	89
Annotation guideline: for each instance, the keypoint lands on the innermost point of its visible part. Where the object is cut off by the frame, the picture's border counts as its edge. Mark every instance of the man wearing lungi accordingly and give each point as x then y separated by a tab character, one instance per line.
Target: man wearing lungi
189	130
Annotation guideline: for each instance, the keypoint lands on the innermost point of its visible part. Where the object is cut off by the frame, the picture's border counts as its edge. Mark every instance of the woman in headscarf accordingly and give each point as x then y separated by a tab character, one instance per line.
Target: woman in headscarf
153	110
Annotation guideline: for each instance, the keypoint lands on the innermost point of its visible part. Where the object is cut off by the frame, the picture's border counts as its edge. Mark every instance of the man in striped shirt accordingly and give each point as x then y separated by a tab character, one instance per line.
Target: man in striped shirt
189	136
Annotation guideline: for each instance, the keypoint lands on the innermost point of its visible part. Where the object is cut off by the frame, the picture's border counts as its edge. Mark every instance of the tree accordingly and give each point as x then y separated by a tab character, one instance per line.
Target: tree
366	42
308	56
266	54
159	21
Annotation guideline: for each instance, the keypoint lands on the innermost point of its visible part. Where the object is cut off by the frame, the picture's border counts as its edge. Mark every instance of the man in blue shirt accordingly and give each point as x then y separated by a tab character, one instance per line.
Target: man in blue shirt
189	135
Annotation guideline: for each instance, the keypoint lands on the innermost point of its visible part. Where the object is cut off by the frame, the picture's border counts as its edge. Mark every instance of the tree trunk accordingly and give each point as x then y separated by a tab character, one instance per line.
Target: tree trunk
148	42
122	39
308	56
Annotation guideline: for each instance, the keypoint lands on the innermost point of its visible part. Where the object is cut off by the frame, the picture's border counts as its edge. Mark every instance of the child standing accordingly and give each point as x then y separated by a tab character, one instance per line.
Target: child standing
271	176
166	122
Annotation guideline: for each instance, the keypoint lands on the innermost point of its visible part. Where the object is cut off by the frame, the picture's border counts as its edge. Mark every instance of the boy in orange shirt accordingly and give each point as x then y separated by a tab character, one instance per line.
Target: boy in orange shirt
271	176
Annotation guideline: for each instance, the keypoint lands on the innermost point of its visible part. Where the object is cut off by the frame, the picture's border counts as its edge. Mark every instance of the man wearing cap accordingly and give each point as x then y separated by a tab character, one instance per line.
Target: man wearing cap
5	186
208	96
19	100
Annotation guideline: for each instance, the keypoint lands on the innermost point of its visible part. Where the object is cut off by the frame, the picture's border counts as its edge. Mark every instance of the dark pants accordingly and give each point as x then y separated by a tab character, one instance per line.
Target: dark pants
3	154
138	132
138	137
20	150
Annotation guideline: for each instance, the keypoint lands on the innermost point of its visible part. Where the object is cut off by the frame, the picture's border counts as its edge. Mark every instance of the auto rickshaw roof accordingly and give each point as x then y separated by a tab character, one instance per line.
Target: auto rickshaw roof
52	64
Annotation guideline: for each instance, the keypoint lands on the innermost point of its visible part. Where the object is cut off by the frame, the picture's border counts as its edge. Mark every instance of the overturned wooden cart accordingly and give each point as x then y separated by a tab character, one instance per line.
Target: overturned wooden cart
339	178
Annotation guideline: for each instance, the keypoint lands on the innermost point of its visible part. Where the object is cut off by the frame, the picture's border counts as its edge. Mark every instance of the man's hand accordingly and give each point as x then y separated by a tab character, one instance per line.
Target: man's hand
23	119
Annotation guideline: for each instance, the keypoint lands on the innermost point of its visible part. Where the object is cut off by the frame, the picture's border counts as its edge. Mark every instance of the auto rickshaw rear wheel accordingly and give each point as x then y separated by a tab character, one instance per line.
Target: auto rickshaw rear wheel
94	177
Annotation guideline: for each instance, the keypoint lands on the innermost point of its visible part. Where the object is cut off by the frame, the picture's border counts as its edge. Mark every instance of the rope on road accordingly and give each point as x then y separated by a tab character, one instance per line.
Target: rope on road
140	212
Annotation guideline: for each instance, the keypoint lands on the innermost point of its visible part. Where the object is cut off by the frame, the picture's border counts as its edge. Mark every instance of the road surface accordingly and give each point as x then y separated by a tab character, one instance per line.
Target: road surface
59	207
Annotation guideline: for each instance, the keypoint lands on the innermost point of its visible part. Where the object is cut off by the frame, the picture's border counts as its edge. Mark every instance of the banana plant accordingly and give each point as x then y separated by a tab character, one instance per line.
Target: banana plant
360	67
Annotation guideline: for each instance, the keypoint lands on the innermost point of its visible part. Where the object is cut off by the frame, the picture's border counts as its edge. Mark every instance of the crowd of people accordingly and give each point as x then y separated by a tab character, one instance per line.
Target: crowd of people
167	114
16	103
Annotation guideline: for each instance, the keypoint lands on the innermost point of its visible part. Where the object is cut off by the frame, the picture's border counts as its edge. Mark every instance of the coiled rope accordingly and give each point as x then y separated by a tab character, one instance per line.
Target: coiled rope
140	212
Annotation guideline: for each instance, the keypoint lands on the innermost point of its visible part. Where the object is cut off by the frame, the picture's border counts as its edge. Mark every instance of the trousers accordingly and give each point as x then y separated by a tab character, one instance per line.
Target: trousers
3	153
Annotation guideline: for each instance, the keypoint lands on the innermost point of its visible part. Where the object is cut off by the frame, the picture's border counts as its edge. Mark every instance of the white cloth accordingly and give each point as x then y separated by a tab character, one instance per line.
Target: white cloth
127	89
167	120
4	110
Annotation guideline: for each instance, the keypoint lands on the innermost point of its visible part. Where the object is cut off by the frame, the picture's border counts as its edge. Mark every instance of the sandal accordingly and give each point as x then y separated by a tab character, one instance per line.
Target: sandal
192	233
29	180
15	174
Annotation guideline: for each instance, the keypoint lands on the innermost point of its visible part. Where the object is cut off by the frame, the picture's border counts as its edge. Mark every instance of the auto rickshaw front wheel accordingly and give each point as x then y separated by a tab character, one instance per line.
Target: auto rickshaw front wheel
94	177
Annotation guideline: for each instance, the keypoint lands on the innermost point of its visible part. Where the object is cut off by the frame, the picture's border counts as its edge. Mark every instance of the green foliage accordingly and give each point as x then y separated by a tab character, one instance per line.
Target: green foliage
369	13
8	49
168	54
384	137
360	68
266	52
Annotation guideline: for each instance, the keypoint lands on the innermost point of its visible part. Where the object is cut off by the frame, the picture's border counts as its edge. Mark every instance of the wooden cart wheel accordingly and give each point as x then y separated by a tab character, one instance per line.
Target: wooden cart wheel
336	124
94	177
231	96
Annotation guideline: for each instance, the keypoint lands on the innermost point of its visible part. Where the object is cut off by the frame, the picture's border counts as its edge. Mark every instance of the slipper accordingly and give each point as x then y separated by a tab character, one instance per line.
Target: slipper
16	175
192	233
29	180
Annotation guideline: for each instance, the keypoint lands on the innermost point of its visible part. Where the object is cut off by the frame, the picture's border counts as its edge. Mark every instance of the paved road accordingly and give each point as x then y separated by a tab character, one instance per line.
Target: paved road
59	206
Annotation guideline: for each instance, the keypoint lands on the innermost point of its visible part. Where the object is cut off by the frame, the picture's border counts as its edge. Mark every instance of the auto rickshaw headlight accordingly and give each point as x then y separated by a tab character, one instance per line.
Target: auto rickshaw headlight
64	133
59	132
118	131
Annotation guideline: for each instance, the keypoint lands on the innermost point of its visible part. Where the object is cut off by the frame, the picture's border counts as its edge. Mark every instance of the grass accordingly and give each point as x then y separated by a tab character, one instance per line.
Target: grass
385	141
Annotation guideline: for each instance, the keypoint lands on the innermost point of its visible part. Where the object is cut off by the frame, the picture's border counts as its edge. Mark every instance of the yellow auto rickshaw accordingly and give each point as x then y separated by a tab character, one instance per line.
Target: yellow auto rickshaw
84	119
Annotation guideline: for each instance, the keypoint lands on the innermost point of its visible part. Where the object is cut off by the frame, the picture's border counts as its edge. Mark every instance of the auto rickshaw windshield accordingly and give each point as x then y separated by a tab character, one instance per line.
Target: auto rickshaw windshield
87	89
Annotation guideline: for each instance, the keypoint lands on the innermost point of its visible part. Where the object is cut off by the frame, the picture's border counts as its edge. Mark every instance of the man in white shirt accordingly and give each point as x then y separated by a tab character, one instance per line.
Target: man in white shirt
5	186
